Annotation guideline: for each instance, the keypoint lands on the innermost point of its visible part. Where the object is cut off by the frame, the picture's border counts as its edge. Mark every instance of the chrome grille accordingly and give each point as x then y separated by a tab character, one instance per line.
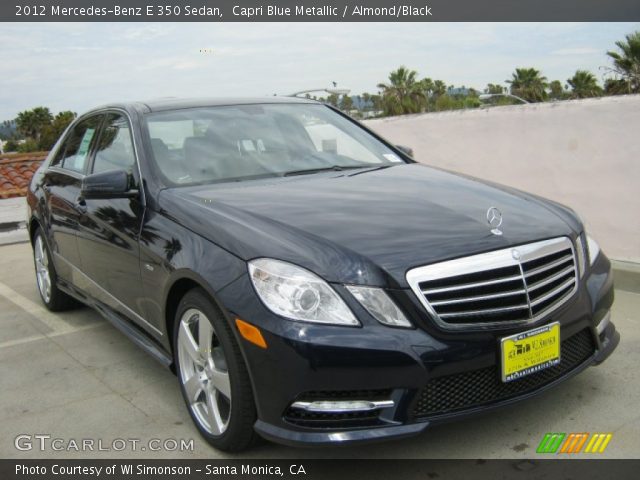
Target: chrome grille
513	285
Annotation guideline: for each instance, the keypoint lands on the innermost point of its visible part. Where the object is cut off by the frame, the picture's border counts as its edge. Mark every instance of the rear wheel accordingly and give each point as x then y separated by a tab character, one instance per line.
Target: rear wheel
46	278
212	374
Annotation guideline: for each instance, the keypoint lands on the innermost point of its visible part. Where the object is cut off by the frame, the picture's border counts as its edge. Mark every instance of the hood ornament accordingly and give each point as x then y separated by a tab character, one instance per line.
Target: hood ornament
494	218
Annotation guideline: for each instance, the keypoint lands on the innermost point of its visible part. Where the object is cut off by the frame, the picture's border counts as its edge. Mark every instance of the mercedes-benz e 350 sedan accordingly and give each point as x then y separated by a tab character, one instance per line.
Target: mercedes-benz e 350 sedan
307	280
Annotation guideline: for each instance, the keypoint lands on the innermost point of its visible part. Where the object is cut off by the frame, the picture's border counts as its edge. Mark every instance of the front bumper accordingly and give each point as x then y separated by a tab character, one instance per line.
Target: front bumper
327	362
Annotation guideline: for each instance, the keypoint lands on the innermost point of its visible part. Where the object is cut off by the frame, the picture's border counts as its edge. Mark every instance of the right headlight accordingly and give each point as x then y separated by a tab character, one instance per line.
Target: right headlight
298	294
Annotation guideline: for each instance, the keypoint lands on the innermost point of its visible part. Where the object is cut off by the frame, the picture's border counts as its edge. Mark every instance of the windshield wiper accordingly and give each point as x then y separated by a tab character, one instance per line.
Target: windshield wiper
382	167
333	168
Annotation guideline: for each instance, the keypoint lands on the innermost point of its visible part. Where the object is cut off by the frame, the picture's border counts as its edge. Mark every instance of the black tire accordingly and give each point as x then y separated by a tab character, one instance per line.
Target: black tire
58	301
239	434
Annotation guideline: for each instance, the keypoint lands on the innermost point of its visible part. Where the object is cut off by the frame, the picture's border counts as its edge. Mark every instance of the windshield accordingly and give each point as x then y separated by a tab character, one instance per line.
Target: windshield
242	142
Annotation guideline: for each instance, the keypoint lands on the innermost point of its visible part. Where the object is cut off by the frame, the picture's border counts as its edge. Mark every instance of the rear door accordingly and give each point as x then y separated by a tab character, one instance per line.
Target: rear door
109	229
61	184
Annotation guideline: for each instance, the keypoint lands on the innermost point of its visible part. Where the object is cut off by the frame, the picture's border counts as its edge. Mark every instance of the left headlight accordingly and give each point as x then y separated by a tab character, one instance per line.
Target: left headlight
298	294
593	249
587	252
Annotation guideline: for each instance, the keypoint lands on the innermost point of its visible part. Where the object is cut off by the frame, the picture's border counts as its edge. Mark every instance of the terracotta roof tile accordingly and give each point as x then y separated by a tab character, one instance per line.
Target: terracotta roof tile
16	171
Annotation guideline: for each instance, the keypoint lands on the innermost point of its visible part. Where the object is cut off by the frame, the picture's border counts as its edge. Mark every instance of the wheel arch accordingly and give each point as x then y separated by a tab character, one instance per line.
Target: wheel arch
183	282
33	226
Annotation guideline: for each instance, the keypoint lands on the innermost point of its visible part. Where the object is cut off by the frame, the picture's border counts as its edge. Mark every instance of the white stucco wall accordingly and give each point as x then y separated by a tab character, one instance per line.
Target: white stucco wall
583	153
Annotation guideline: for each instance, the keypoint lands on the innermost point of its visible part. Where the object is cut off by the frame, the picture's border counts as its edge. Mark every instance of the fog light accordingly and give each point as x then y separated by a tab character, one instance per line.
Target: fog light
342	406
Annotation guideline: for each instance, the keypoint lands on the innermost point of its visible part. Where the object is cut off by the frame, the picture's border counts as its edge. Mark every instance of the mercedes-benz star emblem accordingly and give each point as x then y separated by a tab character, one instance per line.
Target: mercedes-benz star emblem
494	217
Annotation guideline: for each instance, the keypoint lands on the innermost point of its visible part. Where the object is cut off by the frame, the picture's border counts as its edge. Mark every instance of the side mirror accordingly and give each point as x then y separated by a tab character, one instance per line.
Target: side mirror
111	184
405	150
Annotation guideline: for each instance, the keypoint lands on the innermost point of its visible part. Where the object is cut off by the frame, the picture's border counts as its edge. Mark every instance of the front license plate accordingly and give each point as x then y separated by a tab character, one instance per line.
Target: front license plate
529	352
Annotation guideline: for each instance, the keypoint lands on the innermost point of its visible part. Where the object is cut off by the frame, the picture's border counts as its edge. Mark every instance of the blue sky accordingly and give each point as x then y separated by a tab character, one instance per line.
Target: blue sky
75	66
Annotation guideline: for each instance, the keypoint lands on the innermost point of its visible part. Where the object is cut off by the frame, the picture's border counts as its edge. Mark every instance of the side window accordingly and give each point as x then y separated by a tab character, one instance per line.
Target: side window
73	154
115	146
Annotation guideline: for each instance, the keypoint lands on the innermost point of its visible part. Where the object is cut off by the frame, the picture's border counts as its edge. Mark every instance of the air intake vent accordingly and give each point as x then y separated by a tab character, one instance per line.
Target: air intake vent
513	285
474	388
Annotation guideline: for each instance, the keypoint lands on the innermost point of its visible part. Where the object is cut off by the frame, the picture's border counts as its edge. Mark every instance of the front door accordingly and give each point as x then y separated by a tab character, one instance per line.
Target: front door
109	229
61	184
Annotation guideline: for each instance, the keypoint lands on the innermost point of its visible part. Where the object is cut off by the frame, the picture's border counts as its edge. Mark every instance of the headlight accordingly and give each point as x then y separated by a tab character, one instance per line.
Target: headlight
581	252
593	249
586	252
298	294
379	305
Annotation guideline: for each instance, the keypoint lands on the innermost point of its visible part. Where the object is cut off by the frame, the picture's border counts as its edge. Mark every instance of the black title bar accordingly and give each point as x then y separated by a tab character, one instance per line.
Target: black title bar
319	11
302	469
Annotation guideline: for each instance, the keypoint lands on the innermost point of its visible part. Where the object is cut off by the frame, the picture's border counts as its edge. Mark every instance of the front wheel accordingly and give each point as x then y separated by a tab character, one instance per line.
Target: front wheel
212	374
46	278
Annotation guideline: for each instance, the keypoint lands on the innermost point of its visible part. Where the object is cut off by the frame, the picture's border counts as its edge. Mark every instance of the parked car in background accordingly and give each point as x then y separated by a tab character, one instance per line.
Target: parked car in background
307	280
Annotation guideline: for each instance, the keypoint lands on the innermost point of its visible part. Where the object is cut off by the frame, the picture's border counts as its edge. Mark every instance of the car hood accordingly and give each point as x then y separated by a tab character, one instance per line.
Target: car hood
363	227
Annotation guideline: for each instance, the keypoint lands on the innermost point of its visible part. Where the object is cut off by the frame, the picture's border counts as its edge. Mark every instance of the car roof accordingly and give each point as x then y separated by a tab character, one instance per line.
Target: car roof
174	103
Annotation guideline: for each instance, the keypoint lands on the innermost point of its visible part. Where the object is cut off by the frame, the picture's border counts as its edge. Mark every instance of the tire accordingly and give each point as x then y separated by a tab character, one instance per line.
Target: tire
46	278
212	374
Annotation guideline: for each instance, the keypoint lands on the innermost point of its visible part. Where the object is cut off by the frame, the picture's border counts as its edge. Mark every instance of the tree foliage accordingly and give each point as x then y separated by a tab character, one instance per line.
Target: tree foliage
584	85
556	90
404	93
529	84
626	65
30	123
40	129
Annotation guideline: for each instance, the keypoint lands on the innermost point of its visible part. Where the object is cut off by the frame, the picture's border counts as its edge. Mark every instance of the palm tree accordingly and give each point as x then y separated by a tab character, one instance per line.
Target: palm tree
439	88
528	84
494	89
403	94
584	85
626	64
556	90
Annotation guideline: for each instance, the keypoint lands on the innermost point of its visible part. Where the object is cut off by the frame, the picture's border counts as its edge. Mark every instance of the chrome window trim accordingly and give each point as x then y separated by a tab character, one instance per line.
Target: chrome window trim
102	111
489	261
66	171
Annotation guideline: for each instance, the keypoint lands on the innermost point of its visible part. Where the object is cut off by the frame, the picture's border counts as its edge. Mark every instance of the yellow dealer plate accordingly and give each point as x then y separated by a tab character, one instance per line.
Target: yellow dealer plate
529	352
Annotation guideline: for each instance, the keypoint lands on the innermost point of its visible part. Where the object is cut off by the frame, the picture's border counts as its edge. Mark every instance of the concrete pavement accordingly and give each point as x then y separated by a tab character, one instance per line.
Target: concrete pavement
74	376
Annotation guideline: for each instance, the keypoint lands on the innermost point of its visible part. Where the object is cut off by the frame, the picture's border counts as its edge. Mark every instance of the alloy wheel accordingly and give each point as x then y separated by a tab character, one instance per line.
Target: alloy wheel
43	275
203	372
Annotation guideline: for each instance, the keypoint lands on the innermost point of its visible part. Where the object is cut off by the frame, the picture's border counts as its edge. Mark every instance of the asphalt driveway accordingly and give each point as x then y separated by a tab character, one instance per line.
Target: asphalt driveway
75	377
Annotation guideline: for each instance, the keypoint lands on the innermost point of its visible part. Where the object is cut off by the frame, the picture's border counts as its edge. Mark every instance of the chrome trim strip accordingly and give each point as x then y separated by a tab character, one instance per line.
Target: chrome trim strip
473	285
65	171
491	261
466	313
137	317
316	406
546	281
548	266
480	298
603	323
553	292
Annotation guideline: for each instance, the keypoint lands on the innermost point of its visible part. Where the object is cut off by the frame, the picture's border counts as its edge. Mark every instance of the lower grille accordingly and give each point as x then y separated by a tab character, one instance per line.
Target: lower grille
475	388
337	420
